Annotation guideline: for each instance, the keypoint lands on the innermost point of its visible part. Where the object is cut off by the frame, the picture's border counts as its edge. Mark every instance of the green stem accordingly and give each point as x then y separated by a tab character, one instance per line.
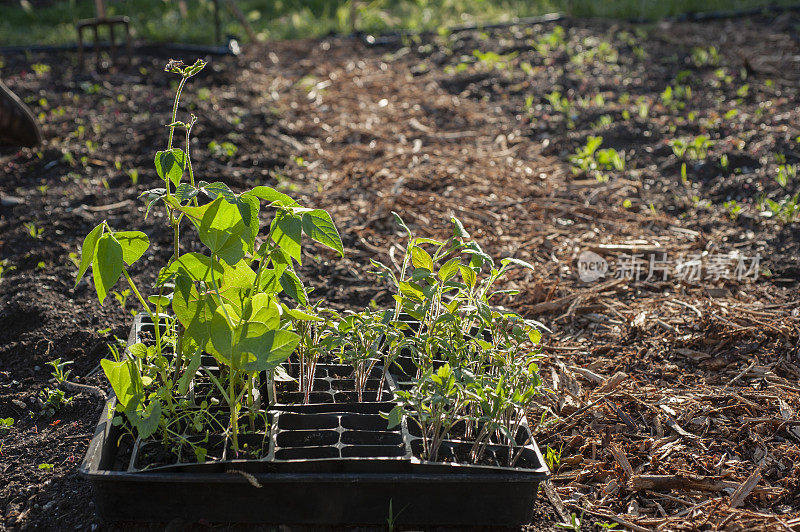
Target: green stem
250	404
234	422
266	258
220	302
271	387
189	163
218	384
169	147
232	374
143	302
176	235
397	305
175	112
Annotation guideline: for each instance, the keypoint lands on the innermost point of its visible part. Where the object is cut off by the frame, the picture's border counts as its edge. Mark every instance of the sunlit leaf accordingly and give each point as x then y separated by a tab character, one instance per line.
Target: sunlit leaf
133	243
170	165
87	250
107	265
318	225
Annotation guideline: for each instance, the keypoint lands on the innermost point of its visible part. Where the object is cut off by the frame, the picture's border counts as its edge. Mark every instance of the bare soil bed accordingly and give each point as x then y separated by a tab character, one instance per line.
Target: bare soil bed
665	397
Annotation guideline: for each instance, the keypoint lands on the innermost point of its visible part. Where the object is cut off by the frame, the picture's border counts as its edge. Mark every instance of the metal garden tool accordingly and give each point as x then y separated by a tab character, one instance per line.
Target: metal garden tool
103	20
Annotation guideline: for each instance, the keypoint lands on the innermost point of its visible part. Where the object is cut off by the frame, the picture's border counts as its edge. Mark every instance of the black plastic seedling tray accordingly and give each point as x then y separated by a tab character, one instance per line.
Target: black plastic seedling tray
329	463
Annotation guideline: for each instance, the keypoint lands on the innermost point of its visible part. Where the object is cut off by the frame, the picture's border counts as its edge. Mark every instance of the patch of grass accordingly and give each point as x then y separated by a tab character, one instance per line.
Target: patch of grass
54	23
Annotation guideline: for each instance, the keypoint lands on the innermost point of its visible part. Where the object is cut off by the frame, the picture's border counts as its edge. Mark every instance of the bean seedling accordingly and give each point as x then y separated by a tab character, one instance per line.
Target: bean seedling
226	303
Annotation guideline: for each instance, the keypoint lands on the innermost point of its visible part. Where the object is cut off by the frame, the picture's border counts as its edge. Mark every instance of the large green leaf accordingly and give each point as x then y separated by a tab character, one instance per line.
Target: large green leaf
449	269
119	375
185	191
170	165
293	287
221	228
411	290
265	309
269	281
134	244
239	275
218	188
193	310
318	225
87	250
270	277
186	379
421	259
222	333
299	315
147	421
236	283
107	265
196	265
271	196
287	231
249	345
248	208
468	275
395	416
265	352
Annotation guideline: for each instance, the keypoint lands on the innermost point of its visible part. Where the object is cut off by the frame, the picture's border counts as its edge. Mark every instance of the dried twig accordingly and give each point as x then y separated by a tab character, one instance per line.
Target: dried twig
622	460
684	482
745	488
83	388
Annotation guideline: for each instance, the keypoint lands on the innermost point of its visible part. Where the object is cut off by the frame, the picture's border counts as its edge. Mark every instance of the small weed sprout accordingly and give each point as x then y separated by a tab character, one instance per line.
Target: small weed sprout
225	149
133	174
562	105
6	424
552	458
675	97
54	400
691	148
40	69
591	161
494	61
60	373
5	267
787	208
32	230
122	297
574	523
785	173
702	56
733	209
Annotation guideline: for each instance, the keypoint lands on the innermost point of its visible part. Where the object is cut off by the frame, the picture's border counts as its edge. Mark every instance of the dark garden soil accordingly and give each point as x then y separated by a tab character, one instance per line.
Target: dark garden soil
666	395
